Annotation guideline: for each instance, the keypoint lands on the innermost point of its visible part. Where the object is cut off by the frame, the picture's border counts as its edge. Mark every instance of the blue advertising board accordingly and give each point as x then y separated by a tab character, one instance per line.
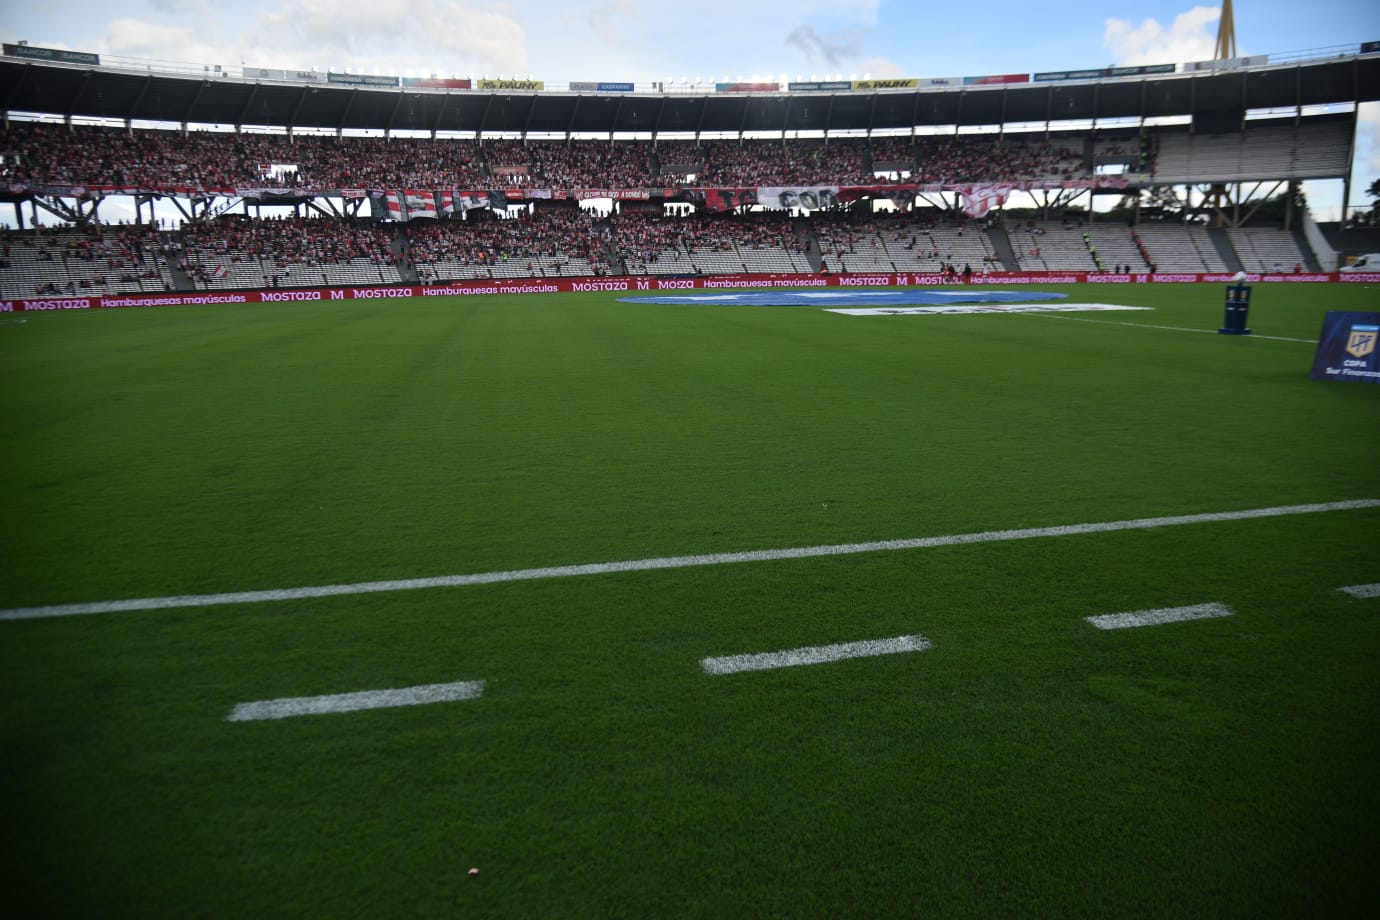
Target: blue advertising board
1347	348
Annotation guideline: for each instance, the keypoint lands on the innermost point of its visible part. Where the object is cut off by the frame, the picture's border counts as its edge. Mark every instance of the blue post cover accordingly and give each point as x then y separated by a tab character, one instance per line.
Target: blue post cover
1347	348
1238	309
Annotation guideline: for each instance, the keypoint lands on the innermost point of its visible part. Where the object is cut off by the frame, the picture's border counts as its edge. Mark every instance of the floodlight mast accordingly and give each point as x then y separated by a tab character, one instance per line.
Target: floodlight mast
1226	34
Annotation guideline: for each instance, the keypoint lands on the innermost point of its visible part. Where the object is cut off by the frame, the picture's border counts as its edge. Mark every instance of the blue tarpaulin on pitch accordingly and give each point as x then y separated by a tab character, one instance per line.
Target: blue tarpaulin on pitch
836	297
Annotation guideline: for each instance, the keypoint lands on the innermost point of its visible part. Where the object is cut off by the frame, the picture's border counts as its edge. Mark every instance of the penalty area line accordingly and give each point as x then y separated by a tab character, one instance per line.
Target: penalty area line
670	562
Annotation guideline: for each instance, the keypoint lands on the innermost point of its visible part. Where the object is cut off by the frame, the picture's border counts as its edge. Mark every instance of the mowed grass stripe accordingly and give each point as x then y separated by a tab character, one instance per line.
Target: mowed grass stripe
669	562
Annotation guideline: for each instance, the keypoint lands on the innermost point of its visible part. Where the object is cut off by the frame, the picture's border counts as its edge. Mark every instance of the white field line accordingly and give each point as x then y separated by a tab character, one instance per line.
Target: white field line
817	654
1362	591
1156	617
667	562
1112	322
352	702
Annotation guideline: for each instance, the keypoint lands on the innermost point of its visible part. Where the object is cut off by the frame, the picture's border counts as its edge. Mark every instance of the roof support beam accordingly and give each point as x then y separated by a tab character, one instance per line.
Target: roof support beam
244	112
484	116
138	100
440	114
191	106
297	109
345	115
393	115
574	111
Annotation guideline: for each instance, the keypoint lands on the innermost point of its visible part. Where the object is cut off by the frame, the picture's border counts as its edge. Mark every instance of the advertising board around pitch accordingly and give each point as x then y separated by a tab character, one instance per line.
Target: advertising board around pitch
1347	348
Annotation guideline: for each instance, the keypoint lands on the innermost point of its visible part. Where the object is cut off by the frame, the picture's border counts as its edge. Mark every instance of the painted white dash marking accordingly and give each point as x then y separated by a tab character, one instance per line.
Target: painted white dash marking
352	702
1362	591
1156	617
817	654
668	562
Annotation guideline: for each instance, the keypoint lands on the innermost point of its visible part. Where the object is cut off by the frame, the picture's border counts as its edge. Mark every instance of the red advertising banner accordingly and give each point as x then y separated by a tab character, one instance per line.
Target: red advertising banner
989	79
746	87
436	83
635	283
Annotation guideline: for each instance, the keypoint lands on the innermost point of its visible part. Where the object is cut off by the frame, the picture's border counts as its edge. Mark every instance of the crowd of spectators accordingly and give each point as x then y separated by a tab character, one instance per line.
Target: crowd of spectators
678	159
82	156
777	163
644	236
594	165
484	239
280	247
96	258
889	151
997	158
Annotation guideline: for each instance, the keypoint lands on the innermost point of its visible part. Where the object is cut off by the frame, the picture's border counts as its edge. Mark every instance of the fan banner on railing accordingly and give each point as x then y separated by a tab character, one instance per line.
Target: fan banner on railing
716	200
806	197
470	199
270	195
420	203
979	199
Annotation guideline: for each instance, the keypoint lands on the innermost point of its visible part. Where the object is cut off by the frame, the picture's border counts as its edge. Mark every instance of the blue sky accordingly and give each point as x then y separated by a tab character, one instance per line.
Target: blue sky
633	40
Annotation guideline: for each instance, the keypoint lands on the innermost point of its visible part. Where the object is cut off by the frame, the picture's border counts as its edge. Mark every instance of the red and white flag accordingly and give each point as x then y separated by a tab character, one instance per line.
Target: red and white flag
979	199
420	203
220	271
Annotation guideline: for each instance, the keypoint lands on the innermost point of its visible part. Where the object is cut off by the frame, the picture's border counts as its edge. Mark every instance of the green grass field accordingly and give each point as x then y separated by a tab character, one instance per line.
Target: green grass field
1028	764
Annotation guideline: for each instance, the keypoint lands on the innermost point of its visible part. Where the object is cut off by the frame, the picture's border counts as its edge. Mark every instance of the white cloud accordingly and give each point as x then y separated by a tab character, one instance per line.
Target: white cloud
610	20
135	38
1192	37
431	35
883	69
177	7
1368	135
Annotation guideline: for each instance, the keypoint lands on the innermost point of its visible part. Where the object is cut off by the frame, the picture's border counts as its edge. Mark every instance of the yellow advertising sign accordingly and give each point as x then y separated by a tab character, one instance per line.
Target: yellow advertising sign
535	85
901	83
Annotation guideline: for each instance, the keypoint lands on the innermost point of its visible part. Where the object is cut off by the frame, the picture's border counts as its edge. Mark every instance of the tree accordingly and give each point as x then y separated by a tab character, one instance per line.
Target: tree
1361	218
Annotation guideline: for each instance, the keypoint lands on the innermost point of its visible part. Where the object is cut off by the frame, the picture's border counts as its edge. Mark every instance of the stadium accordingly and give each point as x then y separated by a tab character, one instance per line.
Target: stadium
829	498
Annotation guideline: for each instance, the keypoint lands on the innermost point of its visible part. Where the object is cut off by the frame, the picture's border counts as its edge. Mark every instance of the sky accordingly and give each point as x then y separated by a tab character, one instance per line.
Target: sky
636	41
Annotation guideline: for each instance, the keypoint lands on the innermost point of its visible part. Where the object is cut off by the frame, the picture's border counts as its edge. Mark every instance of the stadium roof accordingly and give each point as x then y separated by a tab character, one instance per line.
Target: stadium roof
96	91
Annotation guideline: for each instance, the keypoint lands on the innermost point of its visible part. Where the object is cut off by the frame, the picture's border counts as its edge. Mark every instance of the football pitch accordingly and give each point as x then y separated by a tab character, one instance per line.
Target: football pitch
689	610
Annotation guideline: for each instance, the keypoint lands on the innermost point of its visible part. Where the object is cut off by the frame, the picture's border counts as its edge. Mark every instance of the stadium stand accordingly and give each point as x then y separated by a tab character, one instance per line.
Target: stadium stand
558	239
764	242
548	243
1001	158
1178	247
1267	250
919	242
780	163
104	260
236	252
1315	148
